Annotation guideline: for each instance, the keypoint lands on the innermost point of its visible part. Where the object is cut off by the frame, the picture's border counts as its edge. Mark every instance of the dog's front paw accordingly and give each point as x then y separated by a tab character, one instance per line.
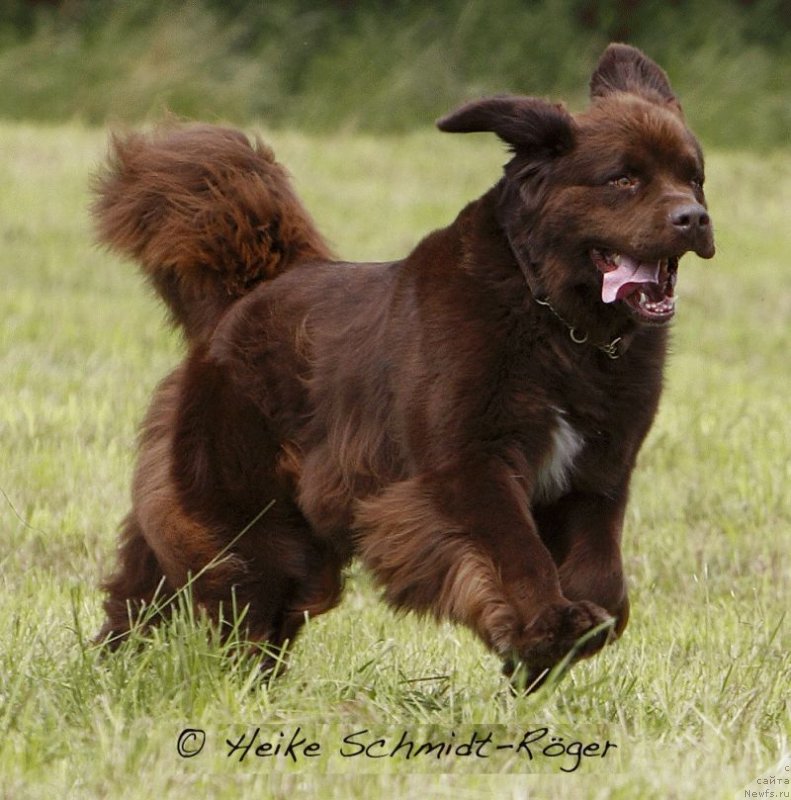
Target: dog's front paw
563	631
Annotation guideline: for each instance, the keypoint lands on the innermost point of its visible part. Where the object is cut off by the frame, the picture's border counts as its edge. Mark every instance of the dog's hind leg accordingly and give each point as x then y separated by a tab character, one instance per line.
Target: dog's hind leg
260	586
163	553
286	575
135	590
213	494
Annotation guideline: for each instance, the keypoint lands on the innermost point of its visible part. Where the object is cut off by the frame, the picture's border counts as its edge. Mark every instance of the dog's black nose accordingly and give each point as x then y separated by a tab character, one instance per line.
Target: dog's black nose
690	218
692	223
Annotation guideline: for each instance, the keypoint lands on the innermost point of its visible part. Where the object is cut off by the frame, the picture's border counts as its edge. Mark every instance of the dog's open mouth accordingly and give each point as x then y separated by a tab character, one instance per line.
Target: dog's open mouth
647	287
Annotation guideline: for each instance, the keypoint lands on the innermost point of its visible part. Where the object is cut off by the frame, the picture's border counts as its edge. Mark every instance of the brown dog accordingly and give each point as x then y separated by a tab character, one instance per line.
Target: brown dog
465	420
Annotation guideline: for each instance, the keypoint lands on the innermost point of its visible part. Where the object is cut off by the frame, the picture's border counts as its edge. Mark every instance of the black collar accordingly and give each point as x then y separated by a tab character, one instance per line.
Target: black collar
613	349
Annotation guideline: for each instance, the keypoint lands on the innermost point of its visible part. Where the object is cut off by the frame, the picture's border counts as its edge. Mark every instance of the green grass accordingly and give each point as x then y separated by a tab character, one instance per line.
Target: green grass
385	65
696	693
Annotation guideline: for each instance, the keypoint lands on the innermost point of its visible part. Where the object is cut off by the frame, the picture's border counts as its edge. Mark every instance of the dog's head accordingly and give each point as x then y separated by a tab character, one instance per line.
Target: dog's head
599	206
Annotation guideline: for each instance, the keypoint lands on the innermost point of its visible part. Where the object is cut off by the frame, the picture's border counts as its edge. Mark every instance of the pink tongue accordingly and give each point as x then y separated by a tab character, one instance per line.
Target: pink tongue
623	280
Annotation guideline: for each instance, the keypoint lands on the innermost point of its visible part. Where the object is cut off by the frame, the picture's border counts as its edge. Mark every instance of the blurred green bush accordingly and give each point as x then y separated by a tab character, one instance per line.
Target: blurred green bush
384	65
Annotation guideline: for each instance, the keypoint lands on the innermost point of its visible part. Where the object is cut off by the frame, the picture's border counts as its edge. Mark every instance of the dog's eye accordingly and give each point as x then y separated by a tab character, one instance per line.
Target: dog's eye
697	183
623	182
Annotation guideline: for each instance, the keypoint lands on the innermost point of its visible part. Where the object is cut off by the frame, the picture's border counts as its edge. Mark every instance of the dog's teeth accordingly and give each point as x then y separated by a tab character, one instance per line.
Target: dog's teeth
663	306
615	258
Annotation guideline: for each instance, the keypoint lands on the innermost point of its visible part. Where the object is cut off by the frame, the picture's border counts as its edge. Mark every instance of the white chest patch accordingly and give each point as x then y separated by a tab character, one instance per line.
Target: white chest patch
554	475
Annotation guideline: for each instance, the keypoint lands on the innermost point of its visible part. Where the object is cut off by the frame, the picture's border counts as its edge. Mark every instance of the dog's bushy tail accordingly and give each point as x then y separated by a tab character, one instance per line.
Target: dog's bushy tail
207	213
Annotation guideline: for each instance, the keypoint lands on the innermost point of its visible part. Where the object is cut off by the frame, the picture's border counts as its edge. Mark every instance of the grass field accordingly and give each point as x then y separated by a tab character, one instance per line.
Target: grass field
696	695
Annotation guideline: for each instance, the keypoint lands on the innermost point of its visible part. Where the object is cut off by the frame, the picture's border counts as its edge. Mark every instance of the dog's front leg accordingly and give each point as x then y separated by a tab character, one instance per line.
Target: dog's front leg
463	545
583	532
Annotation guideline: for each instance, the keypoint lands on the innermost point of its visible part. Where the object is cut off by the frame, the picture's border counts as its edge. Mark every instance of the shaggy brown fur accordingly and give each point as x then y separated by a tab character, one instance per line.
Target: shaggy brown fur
465	420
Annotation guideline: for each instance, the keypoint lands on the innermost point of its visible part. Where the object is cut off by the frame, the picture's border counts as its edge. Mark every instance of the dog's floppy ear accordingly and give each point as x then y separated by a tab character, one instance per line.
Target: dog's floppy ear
623	68
525	123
